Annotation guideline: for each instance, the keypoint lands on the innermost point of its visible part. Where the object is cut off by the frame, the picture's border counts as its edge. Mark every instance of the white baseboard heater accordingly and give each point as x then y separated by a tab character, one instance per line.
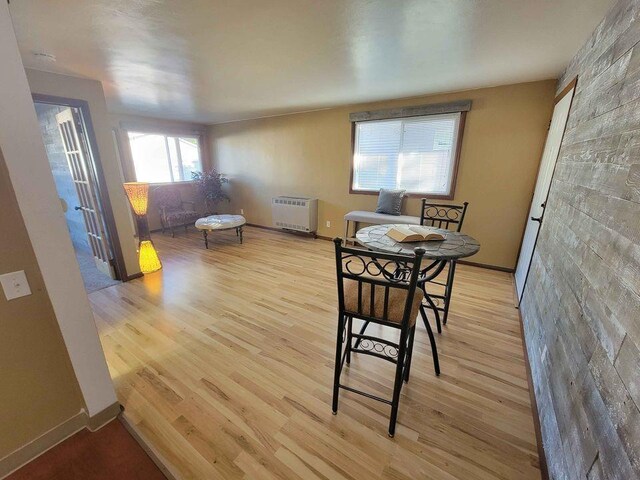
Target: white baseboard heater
299	214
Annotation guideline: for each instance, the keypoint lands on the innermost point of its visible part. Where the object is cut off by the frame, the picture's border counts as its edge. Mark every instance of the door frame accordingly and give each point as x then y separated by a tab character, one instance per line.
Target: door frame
571	85
96	167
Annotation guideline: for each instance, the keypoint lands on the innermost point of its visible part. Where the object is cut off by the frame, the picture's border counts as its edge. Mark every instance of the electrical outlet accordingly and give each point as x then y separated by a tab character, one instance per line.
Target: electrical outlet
15	285
242	211
328	224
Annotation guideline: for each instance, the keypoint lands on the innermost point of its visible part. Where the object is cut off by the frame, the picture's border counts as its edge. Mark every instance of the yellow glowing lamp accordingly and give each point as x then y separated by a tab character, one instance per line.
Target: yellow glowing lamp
149	260
138	194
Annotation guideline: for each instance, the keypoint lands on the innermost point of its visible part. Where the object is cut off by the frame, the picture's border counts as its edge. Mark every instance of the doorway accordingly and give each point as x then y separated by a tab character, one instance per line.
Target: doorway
69	151
543	184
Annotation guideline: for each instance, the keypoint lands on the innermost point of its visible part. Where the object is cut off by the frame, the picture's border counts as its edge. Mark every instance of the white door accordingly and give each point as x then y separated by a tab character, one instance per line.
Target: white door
545	174
75	149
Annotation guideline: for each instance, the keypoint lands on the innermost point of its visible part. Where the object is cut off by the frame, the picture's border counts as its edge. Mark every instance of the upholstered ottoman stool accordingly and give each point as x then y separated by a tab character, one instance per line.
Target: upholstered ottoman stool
219	223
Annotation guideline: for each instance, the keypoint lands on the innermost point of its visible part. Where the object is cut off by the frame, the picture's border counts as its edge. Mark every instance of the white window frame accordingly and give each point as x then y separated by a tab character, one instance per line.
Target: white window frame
166	134
457	143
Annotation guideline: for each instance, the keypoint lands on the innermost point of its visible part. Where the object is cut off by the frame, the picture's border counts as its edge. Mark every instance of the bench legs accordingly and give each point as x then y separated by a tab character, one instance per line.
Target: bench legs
346	230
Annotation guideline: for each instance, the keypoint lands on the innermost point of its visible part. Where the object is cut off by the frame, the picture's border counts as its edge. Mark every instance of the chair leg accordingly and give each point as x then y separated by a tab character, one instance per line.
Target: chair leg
433	307
447	293
397	384
338	366
432	340
362	329
349	338
407	369
173	234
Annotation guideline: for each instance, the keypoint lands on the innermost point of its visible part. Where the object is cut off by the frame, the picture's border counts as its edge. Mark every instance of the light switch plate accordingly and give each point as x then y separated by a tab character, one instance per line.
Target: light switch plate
15	285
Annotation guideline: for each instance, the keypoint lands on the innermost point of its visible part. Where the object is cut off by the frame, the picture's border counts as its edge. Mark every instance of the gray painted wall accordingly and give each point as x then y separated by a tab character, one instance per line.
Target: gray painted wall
581	307
61	174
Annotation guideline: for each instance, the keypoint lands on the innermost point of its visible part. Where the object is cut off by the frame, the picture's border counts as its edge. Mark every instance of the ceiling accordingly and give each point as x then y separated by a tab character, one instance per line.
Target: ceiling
214	61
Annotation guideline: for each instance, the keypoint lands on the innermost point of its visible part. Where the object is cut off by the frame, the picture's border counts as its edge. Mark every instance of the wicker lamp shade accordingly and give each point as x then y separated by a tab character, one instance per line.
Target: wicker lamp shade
138	193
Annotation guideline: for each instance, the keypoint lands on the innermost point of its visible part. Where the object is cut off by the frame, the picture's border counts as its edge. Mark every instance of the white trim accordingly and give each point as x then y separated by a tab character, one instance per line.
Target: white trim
25	155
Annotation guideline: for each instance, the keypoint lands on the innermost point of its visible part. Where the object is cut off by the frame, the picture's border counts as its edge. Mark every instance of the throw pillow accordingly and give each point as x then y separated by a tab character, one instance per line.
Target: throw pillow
390	201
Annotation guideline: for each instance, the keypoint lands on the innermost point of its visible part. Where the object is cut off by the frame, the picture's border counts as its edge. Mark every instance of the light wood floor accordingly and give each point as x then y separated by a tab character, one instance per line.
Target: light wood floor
224	361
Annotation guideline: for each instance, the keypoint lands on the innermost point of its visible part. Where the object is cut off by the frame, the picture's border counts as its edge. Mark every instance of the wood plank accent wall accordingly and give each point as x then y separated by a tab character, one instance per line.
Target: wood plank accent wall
581	307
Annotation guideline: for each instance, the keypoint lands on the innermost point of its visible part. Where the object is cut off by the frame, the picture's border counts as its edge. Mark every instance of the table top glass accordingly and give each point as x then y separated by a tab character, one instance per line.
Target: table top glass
455	244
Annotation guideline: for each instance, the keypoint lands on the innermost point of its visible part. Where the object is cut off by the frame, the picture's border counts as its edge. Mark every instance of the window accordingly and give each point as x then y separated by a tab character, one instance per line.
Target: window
416	154
161	158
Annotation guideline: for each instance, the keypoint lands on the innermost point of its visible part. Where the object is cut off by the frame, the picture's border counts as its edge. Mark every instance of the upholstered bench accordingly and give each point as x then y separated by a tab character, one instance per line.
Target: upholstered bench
373	218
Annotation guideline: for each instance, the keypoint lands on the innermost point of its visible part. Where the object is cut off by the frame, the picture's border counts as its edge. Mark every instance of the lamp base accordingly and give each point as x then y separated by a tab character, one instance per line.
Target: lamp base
149	260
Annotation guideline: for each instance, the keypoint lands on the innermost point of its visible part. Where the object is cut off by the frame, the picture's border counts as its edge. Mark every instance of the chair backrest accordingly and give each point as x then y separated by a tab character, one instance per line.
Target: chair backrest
168	197
383	272
443	216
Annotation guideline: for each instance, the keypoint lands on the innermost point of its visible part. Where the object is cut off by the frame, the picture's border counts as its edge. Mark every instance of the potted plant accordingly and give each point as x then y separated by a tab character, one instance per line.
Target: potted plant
210	188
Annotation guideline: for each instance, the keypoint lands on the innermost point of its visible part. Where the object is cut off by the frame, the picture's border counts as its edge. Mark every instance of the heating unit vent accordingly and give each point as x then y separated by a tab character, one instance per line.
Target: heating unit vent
295	213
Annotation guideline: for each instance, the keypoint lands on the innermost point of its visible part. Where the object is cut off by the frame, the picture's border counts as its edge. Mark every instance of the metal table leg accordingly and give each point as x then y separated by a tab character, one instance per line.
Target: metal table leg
428	274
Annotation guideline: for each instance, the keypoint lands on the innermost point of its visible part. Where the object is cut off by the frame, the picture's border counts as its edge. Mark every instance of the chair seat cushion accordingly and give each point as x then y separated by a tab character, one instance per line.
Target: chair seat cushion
380	218
397	301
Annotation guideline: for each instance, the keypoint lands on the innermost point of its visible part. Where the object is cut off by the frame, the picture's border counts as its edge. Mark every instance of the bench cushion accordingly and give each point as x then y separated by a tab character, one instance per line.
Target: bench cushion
380	218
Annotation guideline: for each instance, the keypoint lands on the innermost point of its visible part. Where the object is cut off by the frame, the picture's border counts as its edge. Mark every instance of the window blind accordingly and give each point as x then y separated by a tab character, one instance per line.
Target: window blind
414	154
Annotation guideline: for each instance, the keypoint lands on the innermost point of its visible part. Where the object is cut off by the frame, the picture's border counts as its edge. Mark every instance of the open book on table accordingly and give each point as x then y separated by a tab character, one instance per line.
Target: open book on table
413	233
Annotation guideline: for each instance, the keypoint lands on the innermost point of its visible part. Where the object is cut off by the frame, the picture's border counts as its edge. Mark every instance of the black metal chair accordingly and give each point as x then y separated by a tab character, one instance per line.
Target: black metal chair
383	289
449	217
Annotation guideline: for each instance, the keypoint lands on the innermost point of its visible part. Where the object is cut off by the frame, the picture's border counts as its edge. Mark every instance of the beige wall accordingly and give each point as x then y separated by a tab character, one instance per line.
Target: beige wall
122	123
91	91
310	154
39	389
